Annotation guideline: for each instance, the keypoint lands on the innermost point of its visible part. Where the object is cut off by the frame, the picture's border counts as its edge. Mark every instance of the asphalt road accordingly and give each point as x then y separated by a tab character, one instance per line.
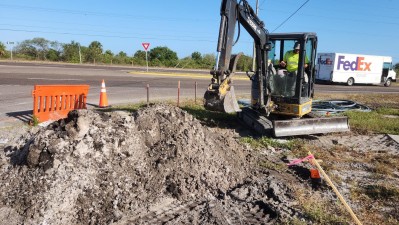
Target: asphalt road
123	85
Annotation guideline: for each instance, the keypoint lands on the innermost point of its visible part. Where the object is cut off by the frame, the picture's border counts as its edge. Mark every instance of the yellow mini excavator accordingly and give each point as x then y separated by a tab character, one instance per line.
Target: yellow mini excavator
281	101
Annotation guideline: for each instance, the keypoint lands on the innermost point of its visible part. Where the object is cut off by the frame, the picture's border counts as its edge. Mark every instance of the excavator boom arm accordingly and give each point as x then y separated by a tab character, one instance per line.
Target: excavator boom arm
233	13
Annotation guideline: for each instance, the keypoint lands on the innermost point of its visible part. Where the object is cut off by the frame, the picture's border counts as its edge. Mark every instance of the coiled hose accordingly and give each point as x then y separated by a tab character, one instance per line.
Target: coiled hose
331	107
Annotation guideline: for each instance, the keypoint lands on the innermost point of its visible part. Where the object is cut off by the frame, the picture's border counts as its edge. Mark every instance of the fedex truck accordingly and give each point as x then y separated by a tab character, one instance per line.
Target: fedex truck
355	68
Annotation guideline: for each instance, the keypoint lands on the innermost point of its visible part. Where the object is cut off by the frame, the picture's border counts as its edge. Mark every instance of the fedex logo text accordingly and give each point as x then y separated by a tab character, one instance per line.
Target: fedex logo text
358	65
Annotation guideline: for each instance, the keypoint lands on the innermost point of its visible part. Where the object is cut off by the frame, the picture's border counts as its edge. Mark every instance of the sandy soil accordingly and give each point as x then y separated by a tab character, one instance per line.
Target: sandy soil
160	165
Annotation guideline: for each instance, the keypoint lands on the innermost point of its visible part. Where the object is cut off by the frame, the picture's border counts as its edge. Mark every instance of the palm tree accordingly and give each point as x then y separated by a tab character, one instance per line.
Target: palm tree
2	49
94	51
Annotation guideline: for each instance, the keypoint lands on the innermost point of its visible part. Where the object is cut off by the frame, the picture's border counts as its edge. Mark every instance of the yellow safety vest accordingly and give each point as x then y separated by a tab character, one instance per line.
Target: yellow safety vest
292	60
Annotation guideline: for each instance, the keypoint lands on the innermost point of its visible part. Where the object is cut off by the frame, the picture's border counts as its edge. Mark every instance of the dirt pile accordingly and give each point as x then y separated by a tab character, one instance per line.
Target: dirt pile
159	165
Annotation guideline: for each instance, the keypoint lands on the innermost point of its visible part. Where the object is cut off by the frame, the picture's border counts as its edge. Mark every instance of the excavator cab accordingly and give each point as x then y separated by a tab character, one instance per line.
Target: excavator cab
292	91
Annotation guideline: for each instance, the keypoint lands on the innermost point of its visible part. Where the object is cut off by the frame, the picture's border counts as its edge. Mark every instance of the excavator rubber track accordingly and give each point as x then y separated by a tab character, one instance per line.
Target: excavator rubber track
292	127
260	124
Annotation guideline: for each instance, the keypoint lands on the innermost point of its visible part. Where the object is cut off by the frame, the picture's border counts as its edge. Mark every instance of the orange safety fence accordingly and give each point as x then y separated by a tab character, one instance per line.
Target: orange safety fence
53	102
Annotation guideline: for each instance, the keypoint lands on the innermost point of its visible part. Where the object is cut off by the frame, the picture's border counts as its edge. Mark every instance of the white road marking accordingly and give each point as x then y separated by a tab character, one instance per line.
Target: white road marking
22	103
49	79
48	67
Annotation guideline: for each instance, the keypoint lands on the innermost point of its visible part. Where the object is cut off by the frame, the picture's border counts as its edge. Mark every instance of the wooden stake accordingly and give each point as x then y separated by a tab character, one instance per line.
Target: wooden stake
148	94
178	93
348	208
195	93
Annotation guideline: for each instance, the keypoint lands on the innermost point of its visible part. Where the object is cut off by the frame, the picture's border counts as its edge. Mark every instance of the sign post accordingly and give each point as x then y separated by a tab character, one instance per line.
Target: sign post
146	45
12	46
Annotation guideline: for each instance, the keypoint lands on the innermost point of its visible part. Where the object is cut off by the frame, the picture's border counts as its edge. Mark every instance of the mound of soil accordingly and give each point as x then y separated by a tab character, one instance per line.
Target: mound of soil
157	165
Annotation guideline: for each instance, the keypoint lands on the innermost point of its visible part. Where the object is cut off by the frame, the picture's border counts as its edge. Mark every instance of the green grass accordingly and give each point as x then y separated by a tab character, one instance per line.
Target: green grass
35	121
373	100
379	192
208	117
196	109
388	111
273	166
376	121
381	120
318	210
268	142
125	107
376	196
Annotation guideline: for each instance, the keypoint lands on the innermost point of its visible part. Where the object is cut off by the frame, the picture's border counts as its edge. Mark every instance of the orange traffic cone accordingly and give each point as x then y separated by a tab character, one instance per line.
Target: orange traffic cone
103	96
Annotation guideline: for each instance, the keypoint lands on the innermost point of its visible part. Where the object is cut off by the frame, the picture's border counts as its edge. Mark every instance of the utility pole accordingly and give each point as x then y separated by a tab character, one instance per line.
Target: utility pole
254	51
12	46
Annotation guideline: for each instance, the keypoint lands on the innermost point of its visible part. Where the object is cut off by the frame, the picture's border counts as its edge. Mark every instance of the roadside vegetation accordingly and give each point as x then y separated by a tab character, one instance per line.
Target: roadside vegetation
384	117
41	49
378	121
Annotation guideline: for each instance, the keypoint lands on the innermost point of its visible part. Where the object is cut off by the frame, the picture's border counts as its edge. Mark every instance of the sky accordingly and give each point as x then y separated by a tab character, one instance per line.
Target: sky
185	26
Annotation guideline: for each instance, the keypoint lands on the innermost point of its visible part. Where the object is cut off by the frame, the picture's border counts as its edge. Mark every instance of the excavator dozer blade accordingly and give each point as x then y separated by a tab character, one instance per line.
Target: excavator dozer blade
307	126
226	103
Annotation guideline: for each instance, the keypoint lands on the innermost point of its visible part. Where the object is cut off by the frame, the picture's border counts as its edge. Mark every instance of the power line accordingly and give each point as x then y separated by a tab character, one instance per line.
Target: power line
291	15
96	31
261	4
107	36
99	14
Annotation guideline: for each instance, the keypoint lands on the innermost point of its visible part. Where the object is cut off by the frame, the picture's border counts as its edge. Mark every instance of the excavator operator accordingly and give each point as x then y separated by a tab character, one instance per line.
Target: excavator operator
289	69
291	59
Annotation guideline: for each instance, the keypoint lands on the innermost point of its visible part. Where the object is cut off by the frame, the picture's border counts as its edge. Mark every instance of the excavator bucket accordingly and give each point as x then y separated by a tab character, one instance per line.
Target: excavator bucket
305	126
230	104
222	97
221	103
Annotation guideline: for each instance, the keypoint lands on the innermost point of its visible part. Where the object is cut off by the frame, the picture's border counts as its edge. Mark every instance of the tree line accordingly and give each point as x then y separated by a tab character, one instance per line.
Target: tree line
73	52
45	50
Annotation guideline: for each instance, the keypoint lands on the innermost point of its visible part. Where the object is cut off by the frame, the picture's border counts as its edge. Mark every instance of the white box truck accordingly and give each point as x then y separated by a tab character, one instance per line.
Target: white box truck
355	68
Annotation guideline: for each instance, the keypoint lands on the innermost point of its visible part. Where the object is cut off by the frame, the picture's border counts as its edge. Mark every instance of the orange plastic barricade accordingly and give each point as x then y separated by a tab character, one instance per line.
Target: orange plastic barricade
53	102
